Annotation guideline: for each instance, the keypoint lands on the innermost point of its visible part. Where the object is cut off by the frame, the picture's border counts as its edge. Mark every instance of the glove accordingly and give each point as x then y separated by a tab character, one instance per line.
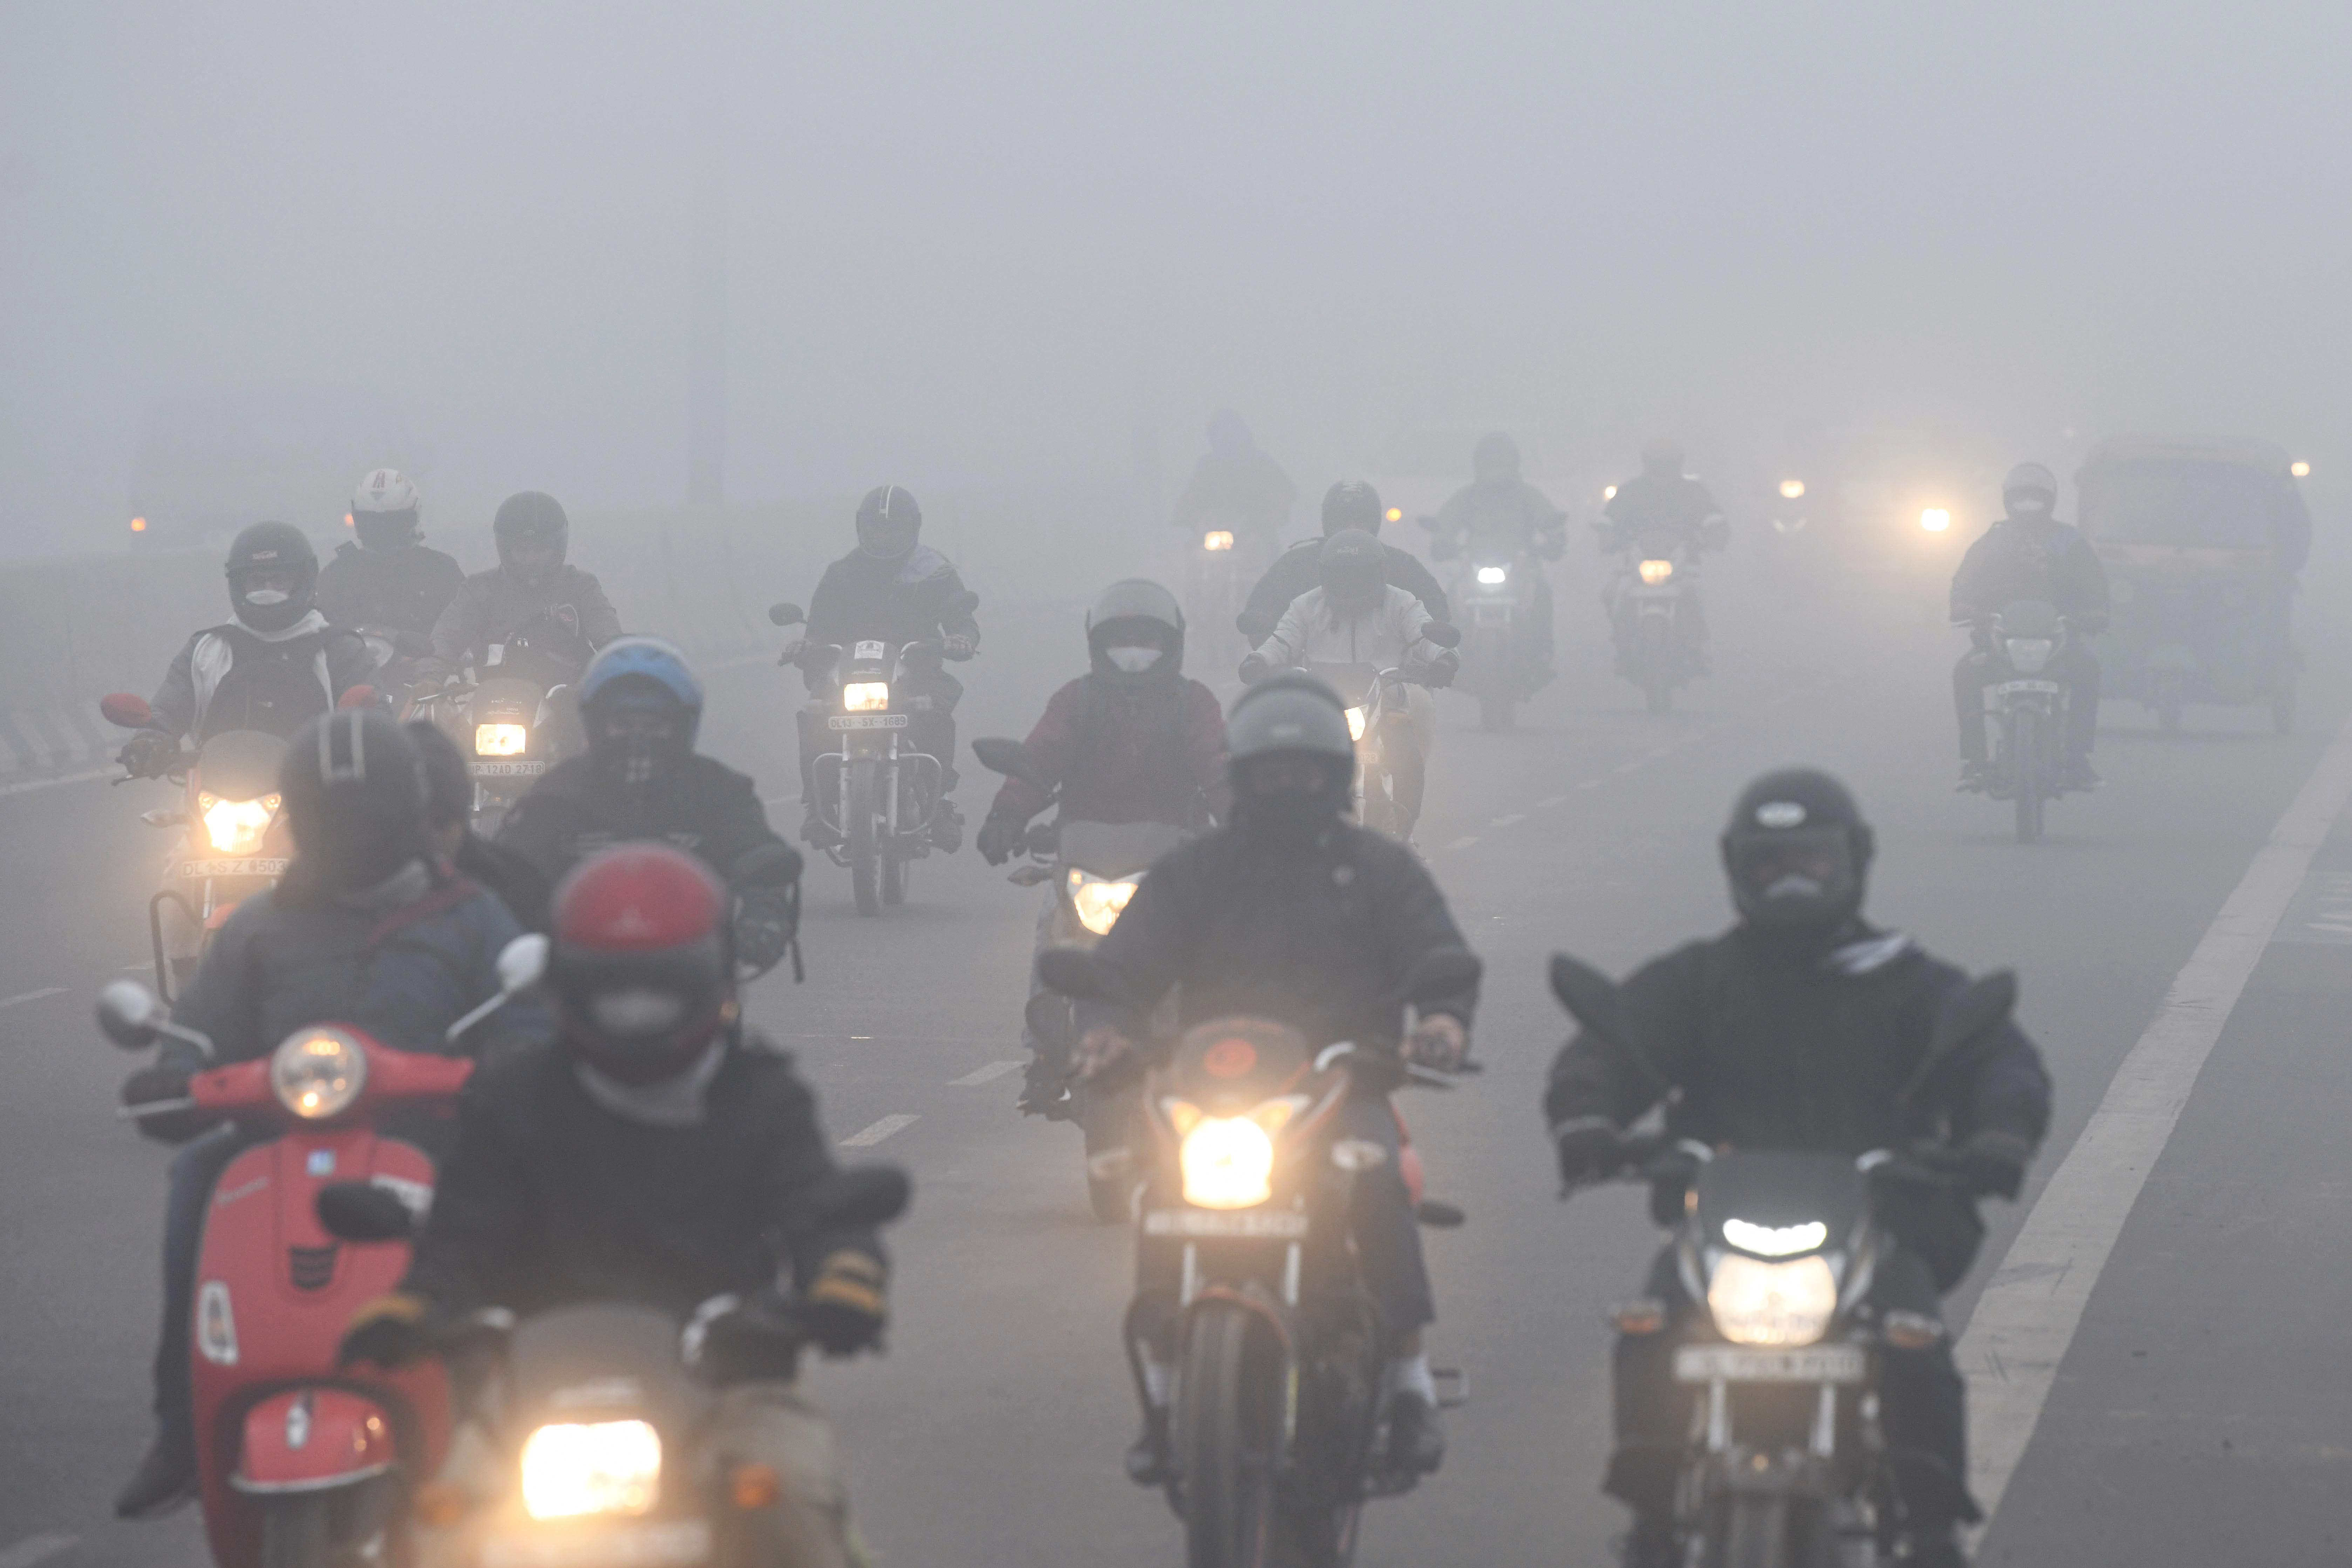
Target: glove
1254	669
735	1339
1001	836
1440	672
1591	1152
163	1081
959	646
845	1309
1101	1050
1992	1165
148	753
1438	1042
763	934
388	1330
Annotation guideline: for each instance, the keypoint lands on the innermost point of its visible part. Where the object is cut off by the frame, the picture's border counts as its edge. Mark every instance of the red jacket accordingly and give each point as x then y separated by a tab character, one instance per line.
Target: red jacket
1125	753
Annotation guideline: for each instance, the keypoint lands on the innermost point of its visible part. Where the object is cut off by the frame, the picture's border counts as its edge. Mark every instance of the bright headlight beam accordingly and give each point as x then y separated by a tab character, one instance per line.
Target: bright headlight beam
603	1467
1227	1162
1356	724
1654	573
235	826
1099	903
1793	489
1760	1303
864	696
500	739
1217	540
1493	576
1772	1242
1936	519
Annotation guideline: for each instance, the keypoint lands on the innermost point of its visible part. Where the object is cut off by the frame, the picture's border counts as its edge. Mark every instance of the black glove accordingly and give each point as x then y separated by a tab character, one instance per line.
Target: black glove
1254	669
845	1309
1992	1165
1590	1152
763	933
163	1081
733	1339
149	753
1001	836
389	1332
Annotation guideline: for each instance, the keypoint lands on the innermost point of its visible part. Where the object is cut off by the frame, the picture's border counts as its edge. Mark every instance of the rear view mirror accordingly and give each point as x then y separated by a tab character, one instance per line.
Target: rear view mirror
1443	973
522	962
126	711
859	1198
362	1211
786	614
1444	633
1073	972
129	1014
1011	758
361	696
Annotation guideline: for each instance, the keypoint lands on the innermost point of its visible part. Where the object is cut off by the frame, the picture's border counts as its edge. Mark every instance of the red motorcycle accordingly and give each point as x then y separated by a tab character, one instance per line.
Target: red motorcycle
304	1464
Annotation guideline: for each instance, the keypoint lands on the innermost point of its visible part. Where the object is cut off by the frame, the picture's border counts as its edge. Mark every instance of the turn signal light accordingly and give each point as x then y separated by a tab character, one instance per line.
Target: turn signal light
438	1505
750	1487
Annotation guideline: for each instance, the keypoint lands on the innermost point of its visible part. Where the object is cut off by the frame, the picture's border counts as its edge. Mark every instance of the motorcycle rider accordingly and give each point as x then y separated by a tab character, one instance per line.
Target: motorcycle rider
1237	483
1294	915
274	665
384	578
513	875
642	779
1349	504
896	588
652	1092
2029	554
366	929
1132	740
532	591
1662	511
1805	1028
1498	515
1357	616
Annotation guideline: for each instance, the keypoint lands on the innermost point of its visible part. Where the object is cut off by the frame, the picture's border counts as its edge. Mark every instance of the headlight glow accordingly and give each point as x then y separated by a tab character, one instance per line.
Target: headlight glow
1493	576
500	739
1396	514
604	1467
235	826
1756	1302
317	1072
1217	538
1793	489
1654	573
1608	493
2027	656
1227	1162
1775	1241
864	696
1936	519
1099	901
1355	724
2301	470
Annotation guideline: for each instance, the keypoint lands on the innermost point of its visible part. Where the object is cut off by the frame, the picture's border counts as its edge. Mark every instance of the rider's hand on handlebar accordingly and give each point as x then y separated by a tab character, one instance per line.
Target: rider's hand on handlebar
844	1308
959	646
149	753
1254	669
1103	1049
1438	1043
1001	836
1590	1152
389	1332
763	933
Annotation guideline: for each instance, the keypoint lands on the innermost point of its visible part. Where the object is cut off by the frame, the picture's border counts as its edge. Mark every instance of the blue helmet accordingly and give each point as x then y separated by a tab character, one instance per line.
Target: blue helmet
633	670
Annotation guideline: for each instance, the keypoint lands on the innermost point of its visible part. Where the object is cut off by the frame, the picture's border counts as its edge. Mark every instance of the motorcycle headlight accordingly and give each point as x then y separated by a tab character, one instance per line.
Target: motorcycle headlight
1228	1163
1654	573
602	1466
1217	538
1098	901
1756	1302
1936	519
1493	576
1355	724
1793	489
500	739
2027	656
317	1072
235	826
864	696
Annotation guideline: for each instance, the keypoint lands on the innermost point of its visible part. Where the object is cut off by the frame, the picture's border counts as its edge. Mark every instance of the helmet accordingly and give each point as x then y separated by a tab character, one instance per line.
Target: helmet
642	964
1496	460
1662	457
642	704
383	510
888	523
354	792
1798	853
1351	504
1289	757
273	576
2030	489
1353	571
531	532
1135	614
448	785
1228	437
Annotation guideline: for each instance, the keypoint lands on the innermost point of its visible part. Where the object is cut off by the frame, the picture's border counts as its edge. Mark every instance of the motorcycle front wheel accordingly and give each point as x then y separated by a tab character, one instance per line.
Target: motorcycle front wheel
2029	763
859	812
1228	1424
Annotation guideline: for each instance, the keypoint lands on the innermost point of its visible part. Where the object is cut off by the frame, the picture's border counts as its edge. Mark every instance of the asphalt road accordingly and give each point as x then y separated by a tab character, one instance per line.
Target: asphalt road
2197	1417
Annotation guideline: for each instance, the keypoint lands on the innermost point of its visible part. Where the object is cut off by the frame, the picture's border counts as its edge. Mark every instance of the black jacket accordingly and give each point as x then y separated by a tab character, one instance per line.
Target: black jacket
510	873
549	1198
1298	569
1664	513
1317	935
1246	487
699	804
401	590
231	677
489	607
1507	520
901	601
2050	561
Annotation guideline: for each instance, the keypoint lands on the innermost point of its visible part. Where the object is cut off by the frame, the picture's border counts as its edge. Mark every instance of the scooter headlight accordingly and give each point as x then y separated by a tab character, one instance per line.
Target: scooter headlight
1493	576
235	826
1099	901
603	1467
1228	1162
500	739
2027	656
317	1072
1217	540
1654	573
1793	489
1355	724
864	696
1756	1302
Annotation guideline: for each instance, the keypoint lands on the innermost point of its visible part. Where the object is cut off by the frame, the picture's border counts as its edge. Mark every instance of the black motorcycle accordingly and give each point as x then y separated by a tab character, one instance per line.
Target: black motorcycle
514	712
1652	617
2026	706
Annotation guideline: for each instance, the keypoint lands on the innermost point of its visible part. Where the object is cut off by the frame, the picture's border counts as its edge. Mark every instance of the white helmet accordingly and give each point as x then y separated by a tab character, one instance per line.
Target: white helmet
385	498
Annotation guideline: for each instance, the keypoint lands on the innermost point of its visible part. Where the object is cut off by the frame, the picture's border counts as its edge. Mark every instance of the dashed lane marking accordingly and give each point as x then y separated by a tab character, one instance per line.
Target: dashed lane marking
1548	801
1507	821
983	1074
26	787
1463	843
13	1001
33	1549
867	1137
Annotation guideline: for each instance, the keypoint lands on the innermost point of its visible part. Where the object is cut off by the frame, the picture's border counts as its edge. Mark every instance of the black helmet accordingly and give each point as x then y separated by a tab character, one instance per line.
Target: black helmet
1662	457
1289	756
1353	571
642	964
1496	460
1136	613
273	576
1798	853
888	523
2029	490
1351	504
354	791
532	533
448	784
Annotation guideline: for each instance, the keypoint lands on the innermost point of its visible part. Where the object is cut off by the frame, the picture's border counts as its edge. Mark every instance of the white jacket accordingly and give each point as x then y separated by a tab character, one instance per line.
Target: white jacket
1389	635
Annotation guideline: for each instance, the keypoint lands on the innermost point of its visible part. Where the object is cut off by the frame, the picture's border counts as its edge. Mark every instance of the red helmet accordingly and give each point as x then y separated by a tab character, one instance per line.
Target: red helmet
642	963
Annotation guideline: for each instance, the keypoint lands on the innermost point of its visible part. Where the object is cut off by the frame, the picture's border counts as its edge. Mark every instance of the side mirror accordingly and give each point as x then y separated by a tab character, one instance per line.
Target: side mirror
126	711
859	1198
129	1014
1073	972
1444	633
786	614
1442	973
362	1211
523	963
1011	758
361	696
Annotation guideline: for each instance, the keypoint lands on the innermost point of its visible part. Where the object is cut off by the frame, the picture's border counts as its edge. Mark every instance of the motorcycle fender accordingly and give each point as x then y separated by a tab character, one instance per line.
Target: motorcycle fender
310	1440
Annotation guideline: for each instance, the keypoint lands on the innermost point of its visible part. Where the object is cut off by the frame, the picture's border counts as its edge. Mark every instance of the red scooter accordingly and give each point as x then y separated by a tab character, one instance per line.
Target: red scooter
304	1464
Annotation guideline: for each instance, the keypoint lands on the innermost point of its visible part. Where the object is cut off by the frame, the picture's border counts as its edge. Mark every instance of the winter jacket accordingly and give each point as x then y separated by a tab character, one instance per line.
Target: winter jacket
1125	750
1507	520
403	590
1660	513
1297	570
490	606
2045	560
1246	487
698	804
902	600
1312	632
232	677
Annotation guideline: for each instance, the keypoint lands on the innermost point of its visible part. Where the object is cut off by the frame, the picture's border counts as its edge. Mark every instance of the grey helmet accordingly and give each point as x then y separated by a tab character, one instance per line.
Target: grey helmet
2027	483
1131	614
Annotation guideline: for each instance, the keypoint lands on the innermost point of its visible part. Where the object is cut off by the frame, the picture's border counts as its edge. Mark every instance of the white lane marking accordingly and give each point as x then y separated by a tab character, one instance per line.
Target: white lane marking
1590	784
983	1074
26	787
33	1549
2018	1335
865	1138
30	996
142	964
1507	821
1548	801
1463	843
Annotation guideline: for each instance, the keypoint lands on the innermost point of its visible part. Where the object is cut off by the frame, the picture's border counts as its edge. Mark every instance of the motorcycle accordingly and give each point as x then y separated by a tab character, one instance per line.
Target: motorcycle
877	796
596	1417
1221	560
1656	645
1094	867
512	713
396	653
304	1464
1278	1409
2027	708
1379	721
1487	594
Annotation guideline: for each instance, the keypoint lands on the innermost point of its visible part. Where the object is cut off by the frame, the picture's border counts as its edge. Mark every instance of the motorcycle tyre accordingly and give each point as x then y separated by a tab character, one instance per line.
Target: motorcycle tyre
1226	1424
859	835
297	1531
2030	767
1756	1533
896	873
1657	664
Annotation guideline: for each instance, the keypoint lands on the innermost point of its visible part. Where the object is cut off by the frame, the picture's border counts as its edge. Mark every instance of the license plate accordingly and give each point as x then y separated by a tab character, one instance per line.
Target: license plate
585	1543
1817	1364
507	769
2005	688
1272	1225
242	865
867	721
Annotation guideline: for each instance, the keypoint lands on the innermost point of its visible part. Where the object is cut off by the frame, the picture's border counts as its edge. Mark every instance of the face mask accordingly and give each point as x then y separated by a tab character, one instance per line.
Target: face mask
1802	881
265	596
1132	661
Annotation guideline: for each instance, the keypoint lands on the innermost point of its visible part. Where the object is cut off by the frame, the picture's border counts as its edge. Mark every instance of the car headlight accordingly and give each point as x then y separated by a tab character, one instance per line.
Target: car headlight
864	696
1756	1302
235	826
500	739
1654	573
317	1072
1355	724
1793	489
1217	538
602	1466
1098	901
2027	656
1227	1161
1936	519
1493	576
